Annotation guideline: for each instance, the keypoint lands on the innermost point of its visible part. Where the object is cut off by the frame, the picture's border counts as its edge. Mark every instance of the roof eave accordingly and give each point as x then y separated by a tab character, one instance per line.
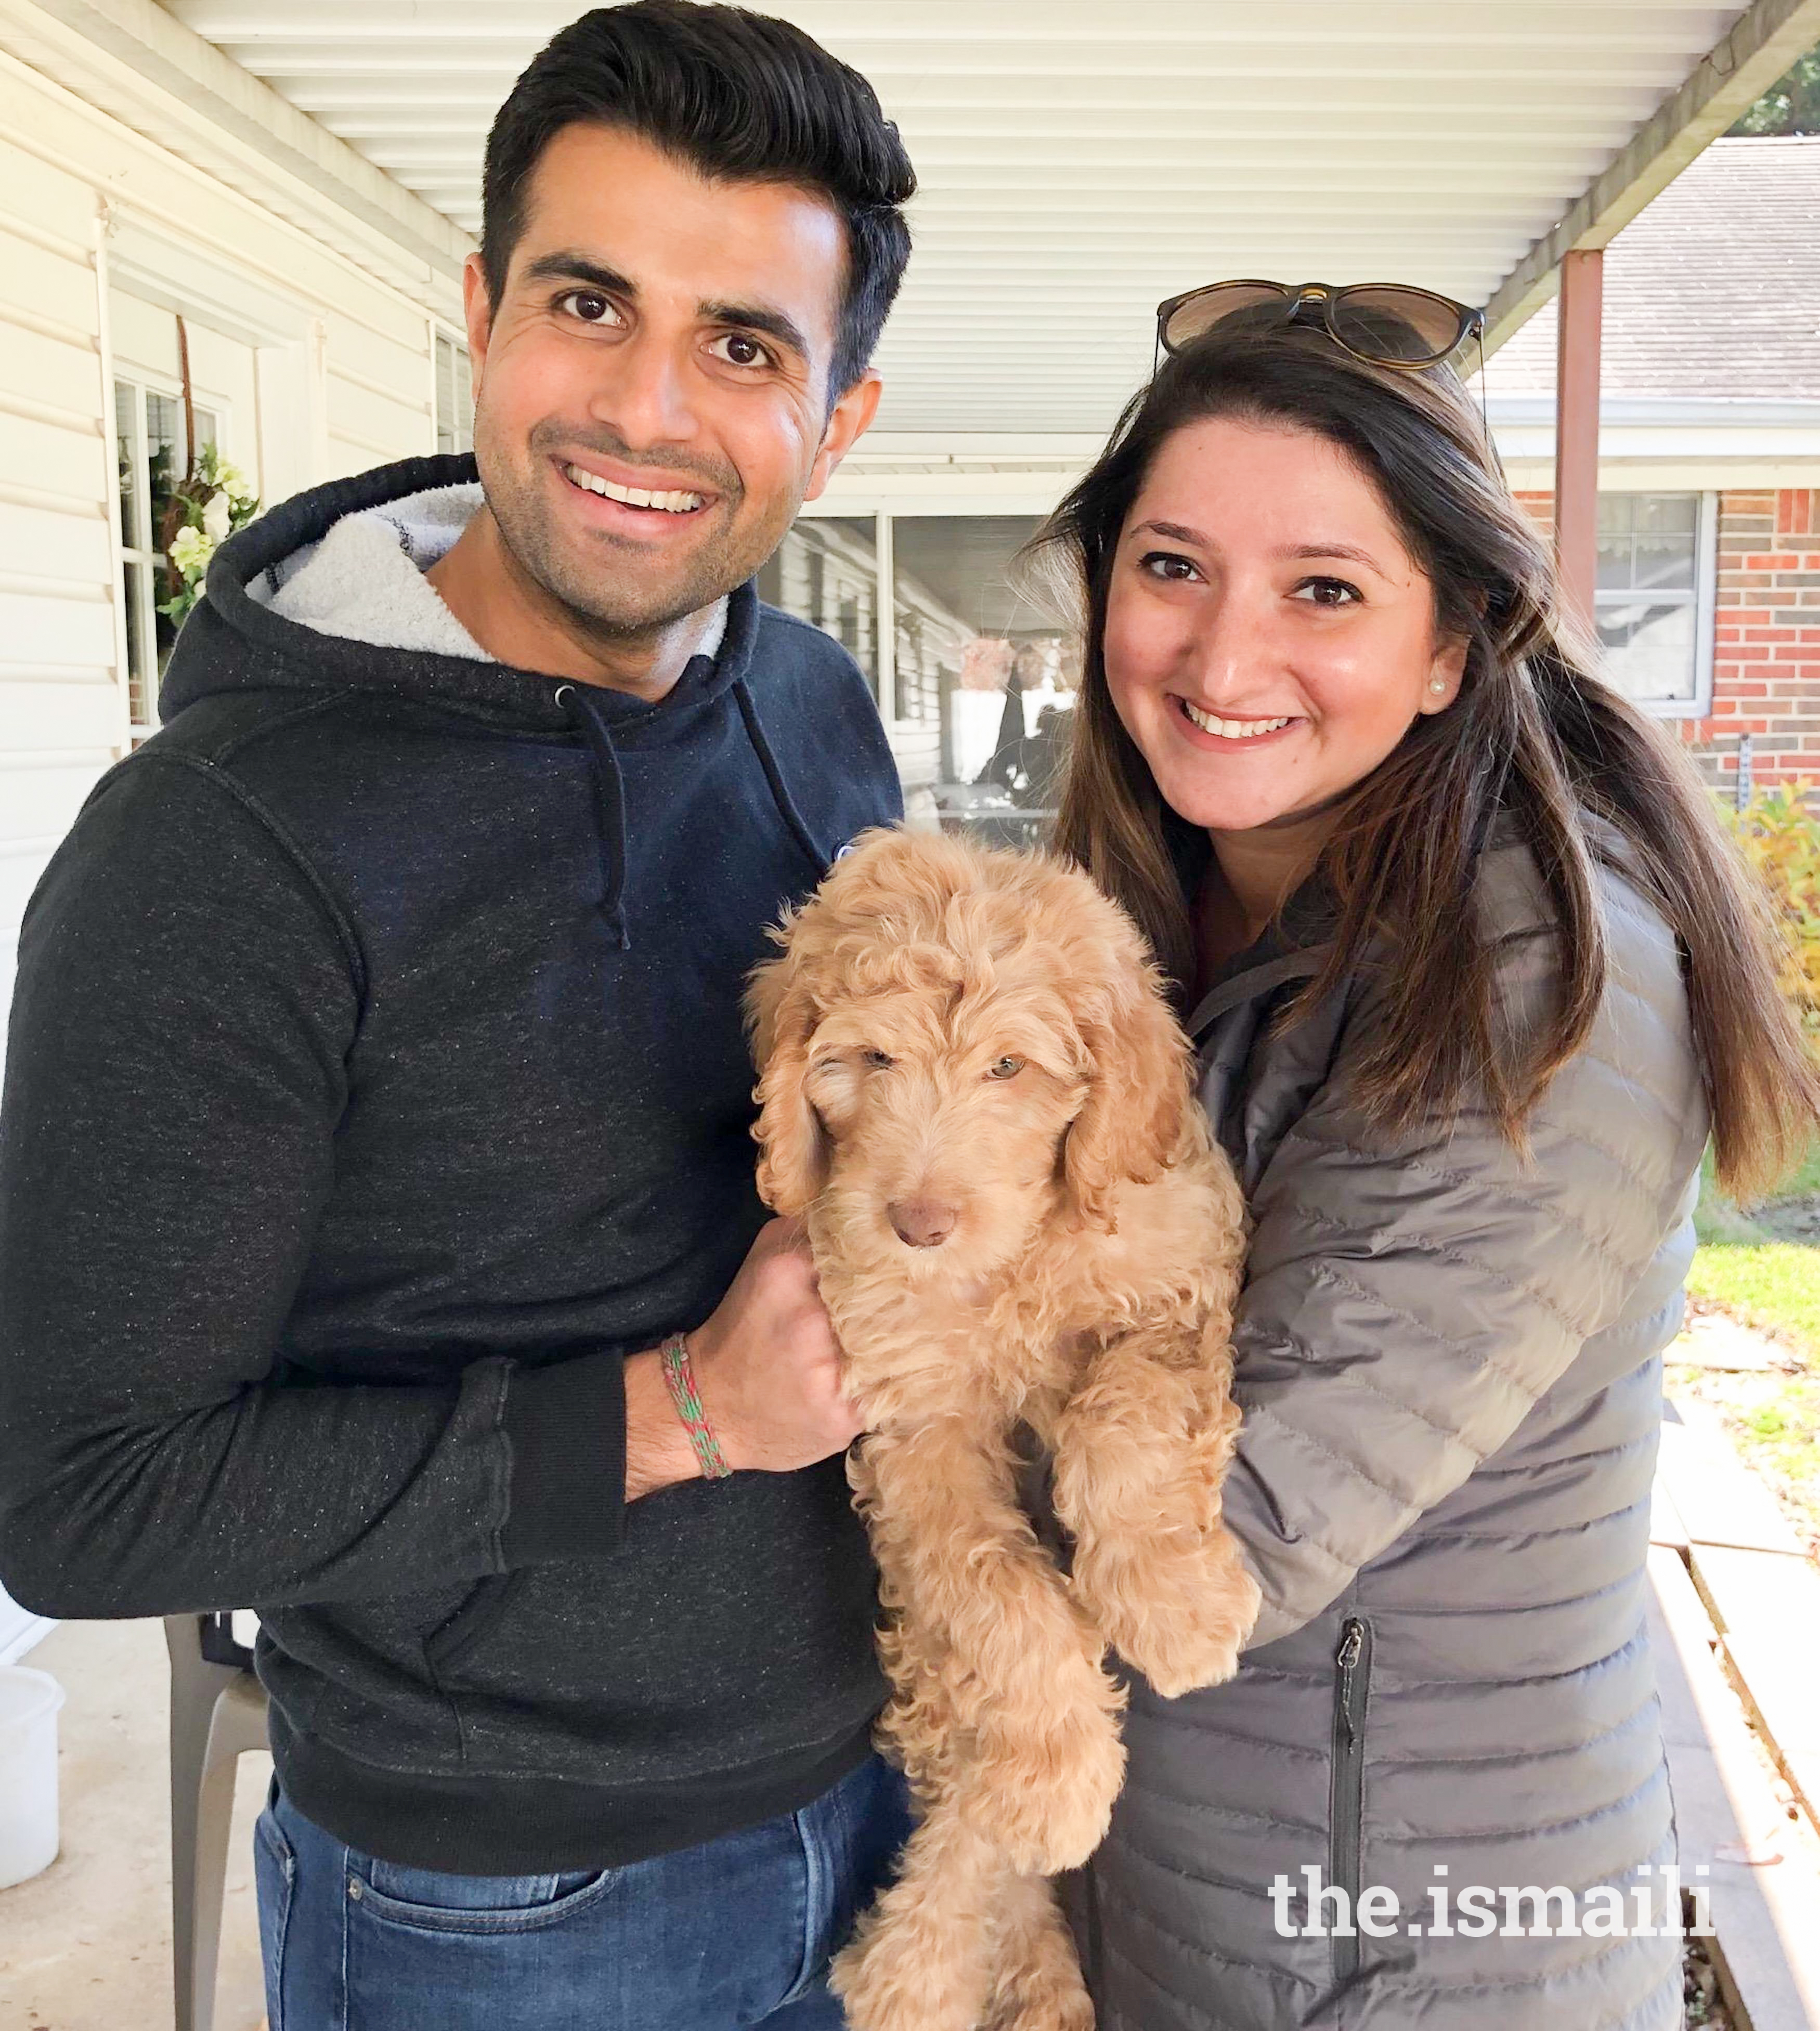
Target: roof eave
1763	43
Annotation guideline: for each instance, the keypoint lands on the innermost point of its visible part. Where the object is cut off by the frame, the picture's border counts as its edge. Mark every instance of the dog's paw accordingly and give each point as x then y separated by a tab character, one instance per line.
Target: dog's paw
1045	1798
1052	2000
1039	1986
1176	1666
895	1979
1182	1627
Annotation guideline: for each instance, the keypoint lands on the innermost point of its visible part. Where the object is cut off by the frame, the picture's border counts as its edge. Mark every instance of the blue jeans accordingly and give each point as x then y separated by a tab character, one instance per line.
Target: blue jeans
737	1932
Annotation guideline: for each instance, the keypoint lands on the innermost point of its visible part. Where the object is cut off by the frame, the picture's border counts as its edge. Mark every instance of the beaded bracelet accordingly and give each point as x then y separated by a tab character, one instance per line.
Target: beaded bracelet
680	1377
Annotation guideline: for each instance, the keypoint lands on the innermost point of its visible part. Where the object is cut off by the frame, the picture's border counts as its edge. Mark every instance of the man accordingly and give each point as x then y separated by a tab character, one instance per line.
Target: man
378	1108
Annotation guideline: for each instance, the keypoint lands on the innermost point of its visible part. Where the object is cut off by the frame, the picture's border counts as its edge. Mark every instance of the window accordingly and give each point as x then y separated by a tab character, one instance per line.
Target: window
1655	599
454	397
973	670
152	456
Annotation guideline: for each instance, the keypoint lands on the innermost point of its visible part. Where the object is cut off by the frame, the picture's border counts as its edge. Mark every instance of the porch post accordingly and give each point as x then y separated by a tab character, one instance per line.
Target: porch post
1577	429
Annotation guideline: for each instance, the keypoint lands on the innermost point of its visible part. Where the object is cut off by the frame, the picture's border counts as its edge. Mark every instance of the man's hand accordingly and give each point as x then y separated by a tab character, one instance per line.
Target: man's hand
767	1366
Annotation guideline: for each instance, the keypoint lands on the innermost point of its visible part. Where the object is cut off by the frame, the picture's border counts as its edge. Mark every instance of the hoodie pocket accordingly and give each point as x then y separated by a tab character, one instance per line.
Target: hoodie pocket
476	1617
1346	1794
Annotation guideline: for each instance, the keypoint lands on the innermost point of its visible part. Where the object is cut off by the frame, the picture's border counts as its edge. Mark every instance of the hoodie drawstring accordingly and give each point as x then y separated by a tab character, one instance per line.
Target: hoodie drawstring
587	719
774	776
609	784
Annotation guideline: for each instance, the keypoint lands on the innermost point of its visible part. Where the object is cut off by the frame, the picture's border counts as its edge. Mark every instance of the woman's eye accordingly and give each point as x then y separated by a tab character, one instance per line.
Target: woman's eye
877	1060
738	348
1170	566
1328	592
1006	1068
588	306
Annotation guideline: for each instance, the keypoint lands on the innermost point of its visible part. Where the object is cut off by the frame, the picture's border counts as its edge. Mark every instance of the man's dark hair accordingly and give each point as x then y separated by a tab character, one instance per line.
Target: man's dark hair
737	95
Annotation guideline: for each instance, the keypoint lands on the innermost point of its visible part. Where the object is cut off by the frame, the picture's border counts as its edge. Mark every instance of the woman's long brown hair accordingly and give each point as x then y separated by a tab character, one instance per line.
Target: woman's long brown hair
1534	739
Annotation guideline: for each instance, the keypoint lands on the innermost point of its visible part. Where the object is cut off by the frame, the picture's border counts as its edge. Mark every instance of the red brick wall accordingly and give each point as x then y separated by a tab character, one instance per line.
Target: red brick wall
1766	641
1766	638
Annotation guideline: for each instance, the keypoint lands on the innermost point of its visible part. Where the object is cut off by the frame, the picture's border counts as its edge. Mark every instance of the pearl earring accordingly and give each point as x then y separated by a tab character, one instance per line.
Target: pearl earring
1438	683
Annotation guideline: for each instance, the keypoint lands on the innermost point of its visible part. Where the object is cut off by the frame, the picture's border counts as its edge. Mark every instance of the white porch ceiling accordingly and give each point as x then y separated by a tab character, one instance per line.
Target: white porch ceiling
1078	160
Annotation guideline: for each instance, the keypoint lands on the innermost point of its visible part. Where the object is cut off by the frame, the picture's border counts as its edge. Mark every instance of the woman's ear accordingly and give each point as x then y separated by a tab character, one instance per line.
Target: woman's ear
1138	1089
782	1017
1446	672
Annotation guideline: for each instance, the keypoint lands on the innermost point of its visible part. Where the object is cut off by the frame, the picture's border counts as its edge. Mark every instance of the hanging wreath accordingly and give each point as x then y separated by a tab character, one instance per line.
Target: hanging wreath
210	501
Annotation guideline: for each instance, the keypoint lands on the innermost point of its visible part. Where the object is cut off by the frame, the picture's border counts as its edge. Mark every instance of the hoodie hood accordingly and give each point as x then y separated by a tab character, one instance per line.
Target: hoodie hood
310	553
234	640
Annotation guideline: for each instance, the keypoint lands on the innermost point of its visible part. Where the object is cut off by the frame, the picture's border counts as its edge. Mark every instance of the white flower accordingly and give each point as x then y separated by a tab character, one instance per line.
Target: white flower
218	517
190	551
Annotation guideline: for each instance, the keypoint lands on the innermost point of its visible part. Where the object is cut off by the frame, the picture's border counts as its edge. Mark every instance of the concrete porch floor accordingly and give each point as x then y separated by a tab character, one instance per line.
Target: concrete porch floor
86	1946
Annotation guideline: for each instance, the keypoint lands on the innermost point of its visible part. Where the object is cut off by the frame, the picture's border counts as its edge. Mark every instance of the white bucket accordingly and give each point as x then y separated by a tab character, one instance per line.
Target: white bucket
28	1704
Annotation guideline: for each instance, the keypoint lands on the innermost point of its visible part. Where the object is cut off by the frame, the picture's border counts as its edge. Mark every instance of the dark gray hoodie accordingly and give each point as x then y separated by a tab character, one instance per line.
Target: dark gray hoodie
375	1083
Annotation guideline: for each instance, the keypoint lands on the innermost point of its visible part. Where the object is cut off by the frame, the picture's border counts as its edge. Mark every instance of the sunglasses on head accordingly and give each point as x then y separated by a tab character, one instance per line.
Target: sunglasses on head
1387	324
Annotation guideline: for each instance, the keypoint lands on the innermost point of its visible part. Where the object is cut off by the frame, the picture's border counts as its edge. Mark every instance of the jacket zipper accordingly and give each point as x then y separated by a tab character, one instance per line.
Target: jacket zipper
1346	1798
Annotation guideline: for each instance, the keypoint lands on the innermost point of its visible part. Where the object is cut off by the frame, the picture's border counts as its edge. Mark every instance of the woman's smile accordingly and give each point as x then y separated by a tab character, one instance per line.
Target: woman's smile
1220	732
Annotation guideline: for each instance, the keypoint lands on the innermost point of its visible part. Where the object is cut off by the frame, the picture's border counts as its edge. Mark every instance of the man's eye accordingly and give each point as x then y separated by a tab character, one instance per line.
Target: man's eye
1006	1068
588	306
877	1060
739	349
1328	592
1170	564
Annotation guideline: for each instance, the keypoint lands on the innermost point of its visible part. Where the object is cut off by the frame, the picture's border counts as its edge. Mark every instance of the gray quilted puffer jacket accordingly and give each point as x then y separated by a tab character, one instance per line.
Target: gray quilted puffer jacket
1449	1363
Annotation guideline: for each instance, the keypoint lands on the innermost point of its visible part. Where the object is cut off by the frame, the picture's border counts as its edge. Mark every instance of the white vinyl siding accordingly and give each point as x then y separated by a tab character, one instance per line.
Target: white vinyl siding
311	366
62	719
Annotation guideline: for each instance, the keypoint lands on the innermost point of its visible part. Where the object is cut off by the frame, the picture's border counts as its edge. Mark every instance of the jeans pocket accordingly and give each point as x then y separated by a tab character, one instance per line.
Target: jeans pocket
429	1900
274	1876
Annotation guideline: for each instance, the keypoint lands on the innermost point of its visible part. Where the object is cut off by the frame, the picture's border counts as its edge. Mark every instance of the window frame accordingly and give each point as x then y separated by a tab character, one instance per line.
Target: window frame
460	425
144	558
1704	601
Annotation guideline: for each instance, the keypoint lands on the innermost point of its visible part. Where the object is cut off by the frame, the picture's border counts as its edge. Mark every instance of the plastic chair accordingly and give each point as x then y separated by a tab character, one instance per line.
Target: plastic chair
217	1712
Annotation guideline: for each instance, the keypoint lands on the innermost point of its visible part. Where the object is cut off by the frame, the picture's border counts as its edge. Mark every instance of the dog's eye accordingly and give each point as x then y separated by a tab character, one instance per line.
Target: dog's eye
1006	1068
877	1060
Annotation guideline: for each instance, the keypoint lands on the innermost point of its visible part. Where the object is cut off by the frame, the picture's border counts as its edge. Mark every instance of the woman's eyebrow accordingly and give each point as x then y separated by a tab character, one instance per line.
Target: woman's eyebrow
1176	531
1352	550
1180	532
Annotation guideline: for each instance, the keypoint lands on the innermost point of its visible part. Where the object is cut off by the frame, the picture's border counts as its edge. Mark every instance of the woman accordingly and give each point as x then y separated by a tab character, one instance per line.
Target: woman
1472	974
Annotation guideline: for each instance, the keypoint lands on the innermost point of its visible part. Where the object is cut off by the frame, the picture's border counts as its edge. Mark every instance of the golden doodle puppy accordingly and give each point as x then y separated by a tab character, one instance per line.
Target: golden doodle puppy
974	1090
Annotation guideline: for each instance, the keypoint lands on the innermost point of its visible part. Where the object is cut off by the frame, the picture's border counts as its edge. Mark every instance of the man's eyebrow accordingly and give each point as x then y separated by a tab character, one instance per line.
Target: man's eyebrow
570	267
758	317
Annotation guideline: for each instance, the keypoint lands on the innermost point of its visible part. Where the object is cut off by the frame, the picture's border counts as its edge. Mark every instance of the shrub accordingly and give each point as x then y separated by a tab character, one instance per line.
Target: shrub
1781	838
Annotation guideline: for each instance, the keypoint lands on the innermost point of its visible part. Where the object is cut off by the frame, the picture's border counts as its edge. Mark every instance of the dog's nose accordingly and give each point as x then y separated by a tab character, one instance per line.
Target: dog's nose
923	1223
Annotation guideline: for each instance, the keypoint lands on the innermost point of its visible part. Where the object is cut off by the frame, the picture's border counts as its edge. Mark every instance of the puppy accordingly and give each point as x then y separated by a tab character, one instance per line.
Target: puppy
974	1090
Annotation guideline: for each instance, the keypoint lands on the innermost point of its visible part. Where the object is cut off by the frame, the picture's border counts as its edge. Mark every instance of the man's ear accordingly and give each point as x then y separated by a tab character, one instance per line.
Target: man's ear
848	421
476	314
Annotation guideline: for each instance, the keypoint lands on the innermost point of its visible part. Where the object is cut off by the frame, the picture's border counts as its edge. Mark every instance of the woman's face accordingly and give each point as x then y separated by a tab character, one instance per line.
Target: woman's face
1269	639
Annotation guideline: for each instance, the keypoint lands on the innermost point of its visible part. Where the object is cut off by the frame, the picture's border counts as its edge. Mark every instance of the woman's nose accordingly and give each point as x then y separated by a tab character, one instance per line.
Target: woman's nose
1230	647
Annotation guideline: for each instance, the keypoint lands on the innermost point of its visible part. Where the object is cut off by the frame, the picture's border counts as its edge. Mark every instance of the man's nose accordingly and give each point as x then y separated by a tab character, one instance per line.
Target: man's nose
645	398
923	1223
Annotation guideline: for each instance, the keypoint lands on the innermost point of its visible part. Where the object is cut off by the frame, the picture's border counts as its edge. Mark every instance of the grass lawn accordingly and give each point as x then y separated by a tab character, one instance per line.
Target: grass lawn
1773	1285
1764	1269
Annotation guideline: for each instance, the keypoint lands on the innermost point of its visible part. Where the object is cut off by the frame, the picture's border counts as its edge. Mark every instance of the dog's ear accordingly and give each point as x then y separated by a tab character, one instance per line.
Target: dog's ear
1137	1088
782	1016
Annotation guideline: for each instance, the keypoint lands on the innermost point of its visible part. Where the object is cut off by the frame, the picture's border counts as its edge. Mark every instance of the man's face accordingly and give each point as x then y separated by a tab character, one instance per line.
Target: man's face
665	338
